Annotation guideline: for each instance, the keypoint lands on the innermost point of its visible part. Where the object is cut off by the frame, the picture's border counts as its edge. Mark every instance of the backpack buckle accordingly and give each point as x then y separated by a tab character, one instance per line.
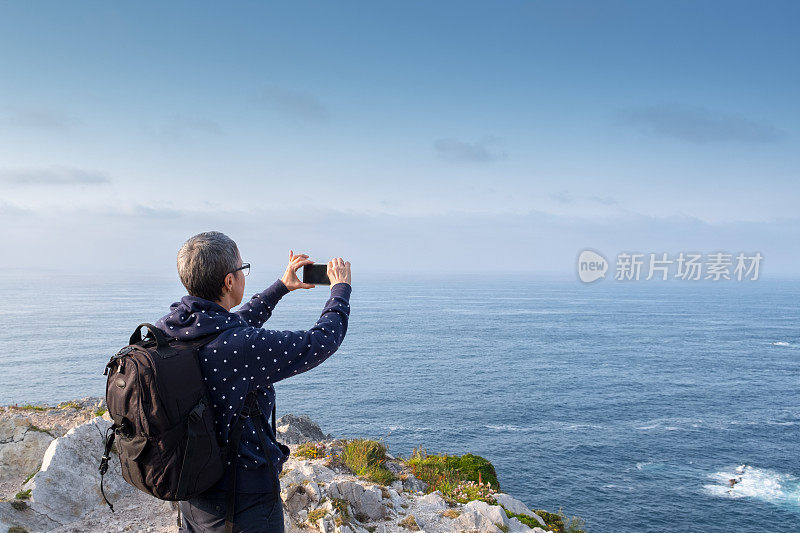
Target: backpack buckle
250	407
197	413
247	411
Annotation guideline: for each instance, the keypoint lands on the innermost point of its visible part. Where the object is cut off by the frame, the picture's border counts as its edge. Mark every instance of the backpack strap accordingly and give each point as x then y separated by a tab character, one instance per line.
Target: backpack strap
253	411
108	441
233	451
162	346
190	453
259	424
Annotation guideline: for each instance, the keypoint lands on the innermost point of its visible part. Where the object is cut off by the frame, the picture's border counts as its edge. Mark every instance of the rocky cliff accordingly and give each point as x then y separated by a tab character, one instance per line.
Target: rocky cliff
49	481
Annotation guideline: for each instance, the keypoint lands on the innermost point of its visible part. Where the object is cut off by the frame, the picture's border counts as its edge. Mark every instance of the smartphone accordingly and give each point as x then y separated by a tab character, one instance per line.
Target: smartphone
316	274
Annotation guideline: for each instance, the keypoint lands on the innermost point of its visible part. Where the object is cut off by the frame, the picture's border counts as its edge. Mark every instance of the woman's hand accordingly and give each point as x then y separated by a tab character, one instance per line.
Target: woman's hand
290	278
338	271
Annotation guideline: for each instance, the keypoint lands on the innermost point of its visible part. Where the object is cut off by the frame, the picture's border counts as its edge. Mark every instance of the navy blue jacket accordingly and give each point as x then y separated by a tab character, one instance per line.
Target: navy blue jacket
245	356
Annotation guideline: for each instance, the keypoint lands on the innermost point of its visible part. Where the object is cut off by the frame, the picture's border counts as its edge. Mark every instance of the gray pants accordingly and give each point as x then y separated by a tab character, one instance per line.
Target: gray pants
255	513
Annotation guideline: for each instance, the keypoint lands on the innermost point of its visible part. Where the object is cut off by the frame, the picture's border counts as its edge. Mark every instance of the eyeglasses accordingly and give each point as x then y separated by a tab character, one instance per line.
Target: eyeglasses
245	268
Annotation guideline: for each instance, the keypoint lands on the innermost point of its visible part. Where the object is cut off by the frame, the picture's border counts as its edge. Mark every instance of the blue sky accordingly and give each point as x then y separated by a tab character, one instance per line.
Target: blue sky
403	136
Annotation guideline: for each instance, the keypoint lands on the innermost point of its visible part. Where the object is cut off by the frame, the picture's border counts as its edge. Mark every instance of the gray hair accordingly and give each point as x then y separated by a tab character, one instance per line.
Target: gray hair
204	261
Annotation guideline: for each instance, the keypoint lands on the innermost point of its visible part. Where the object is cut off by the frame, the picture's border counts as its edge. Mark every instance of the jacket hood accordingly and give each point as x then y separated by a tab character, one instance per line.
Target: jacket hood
194	317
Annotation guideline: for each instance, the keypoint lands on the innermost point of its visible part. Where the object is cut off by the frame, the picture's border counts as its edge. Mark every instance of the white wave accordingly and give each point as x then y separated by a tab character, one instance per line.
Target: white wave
671	423
757	483
762	422
650	465
508	427
572	427
785	344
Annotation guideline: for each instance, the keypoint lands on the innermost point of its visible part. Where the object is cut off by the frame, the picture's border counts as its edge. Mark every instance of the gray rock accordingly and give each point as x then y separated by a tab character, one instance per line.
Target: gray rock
395	498
493	513
24	517
516	506
297	497
299	470
294	429
394	467
413	484
515	526
365	501
432	501
472	520
68	485
21	447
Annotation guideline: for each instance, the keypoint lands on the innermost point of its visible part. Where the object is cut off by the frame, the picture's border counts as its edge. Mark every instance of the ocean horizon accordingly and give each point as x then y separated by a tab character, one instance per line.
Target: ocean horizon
629	404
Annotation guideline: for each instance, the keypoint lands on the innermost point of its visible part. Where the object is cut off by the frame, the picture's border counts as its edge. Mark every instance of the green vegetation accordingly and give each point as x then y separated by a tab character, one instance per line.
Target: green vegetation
316	514
29	407
557	522
409	522
74	405
30	476
366	459
34	427
23	495
19	505
466	491
340	505
572	525
101	411
453	513
502	527
311	450
532	522
459	478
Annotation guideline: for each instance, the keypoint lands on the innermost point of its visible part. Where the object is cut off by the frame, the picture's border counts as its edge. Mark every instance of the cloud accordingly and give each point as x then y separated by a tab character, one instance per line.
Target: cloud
178	127
38	119
133	210
605	200
565	197
293	102
466	152
90	237
51	176
699	125
7	208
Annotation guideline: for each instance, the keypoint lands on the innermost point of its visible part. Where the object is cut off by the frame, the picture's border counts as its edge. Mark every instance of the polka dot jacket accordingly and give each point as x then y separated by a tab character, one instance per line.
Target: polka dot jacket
246	356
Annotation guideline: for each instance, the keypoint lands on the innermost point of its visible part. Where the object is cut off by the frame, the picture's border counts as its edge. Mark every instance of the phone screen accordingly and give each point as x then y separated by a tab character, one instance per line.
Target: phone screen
316	274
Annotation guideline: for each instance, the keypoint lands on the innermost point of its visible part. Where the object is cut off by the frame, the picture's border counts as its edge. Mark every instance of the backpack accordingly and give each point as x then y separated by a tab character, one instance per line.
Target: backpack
164	424
162	417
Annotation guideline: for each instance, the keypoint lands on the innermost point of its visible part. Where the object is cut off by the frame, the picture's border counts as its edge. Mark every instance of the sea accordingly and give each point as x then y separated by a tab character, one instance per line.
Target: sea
629	404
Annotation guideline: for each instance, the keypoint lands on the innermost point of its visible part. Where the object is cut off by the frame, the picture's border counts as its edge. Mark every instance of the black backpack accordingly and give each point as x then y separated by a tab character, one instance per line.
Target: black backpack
163	421
164	424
